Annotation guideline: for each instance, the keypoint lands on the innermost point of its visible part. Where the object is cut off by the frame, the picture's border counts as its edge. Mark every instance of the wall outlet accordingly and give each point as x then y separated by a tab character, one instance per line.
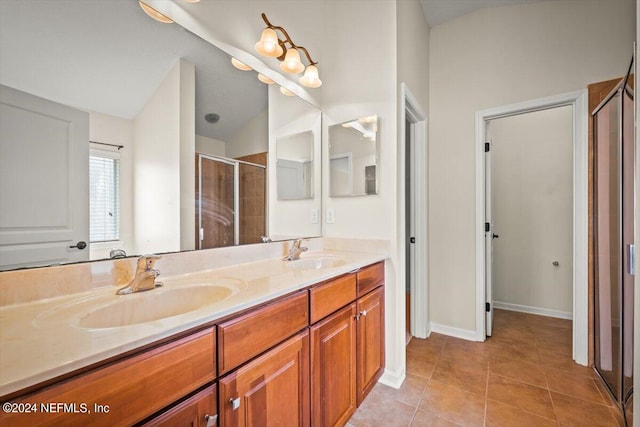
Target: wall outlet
331	215
315	214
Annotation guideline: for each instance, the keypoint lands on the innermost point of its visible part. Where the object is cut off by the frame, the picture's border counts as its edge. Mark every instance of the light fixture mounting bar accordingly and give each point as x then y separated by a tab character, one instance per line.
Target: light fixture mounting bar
287	39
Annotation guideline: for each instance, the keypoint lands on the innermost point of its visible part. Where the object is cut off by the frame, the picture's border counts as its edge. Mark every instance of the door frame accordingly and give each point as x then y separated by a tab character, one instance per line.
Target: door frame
411	110
579	101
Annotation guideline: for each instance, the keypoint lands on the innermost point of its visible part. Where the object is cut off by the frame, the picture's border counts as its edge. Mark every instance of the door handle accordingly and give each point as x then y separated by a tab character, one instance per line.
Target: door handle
80	245
631	259
235	403
495	236
212	420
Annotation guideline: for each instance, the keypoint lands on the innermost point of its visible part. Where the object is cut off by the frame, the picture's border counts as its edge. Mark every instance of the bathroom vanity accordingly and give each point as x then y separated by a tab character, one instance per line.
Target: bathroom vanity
291	344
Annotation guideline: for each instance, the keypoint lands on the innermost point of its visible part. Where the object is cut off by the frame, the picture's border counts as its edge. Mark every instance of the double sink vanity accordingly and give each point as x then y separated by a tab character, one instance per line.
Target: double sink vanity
266	342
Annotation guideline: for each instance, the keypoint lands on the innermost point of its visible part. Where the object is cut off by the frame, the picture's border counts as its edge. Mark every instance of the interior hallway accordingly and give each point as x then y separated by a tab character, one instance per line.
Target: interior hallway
522	376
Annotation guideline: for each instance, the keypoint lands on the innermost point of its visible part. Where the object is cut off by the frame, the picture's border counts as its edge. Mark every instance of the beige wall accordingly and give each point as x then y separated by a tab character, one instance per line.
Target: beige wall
490	58
157	153
251	139
210	146
532	210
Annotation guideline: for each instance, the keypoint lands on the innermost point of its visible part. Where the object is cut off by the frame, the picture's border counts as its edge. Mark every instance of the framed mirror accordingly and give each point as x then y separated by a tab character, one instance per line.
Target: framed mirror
353	157
156	101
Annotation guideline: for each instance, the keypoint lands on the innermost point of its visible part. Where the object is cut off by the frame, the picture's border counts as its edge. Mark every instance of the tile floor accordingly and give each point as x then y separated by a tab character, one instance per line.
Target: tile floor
522	376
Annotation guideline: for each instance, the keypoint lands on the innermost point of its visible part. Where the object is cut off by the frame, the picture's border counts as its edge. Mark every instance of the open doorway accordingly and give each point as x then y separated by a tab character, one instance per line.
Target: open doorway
577	102
530	204
413	224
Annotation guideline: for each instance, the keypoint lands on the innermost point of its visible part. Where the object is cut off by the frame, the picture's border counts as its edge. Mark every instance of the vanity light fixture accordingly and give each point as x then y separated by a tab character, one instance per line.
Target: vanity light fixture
264	79
240	65
154	13
288	53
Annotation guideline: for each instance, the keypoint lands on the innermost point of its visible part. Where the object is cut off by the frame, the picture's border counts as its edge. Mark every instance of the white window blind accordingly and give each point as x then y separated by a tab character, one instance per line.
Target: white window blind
104	196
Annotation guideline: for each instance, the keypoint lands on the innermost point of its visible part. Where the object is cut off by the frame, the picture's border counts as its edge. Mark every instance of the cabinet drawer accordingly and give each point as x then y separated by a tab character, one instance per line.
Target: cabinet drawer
246	336
196	411
331	296
370	278
129	390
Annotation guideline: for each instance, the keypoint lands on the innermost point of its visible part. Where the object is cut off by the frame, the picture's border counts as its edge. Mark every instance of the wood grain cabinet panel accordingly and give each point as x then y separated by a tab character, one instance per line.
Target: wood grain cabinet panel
270	391
246	336
200	410
330	296
370	344
370	278
131	389
333	369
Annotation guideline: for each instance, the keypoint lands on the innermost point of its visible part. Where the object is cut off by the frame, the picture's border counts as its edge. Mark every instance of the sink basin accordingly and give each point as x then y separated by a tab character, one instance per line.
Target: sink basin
152	305
316	262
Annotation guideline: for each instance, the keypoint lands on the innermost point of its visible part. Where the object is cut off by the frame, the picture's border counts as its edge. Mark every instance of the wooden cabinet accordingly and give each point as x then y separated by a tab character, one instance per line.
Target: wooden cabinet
370	277
200	410
331	296
370	341
272	390
333	368
126	391
244	337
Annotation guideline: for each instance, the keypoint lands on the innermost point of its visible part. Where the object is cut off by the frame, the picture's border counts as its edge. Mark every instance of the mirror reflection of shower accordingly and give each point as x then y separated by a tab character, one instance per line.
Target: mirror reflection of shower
230	200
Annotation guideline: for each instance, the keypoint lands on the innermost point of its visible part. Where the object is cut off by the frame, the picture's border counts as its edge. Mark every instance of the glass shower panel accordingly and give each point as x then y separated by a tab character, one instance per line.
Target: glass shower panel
252	203
215	199
607	244
628	240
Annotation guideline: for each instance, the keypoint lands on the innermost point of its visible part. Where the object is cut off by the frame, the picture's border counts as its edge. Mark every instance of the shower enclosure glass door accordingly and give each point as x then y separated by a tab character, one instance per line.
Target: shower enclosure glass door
230	202
614	244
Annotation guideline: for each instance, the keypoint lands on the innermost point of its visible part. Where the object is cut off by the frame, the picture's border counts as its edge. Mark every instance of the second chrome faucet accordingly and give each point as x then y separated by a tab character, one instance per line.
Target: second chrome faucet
295	251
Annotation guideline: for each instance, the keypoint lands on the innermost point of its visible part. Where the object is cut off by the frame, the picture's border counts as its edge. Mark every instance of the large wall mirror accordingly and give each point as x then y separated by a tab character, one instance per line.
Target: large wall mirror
353	155
180	152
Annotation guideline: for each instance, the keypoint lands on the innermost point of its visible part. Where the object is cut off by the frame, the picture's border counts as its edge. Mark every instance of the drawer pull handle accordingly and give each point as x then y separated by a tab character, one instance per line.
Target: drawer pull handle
235	403
362	313
212	420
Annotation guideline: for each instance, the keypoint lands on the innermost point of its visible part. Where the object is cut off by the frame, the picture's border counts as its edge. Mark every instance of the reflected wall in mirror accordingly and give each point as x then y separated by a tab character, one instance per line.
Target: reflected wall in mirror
151	92
294	166
295	135
353	154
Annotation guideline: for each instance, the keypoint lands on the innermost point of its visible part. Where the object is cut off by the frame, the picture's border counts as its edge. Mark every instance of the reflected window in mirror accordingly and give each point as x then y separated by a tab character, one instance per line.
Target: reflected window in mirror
353	154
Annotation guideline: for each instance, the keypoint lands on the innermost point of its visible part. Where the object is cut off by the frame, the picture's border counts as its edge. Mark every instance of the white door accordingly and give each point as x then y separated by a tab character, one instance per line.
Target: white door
44	181
488	236
290	178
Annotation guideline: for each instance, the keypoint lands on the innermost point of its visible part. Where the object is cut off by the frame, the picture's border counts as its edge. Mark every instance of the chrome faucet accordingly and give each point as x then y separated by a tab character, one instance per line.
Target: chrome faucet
295	251
145	277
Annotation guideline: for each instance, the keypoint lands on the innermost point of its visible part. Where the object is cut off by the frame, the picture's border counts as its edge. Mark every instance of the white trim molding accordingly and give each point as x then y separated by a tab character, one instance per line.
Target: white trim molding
393	378
533	310
577	100
465	334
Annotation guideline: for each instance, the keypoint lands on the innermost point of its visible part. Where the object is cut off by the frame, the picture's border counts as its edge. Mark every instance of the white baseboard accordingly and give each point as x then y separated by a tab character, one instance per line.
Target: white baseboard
451	331
392	378
533	310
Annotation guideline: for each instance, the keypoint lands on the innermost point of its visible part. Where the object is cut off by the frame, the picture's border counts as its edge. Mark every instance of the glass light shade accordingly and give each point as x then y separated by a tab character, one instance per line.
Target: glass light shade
291	63
268	44
310	78
264	79
192	1
286	92
154	13
240	65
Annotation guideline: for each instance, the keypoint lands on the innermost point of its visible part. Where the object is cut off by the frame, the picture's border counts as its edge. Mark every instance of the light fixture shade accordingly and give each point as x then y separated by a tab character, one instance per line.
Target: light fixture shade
268	44
264	79
192	1
154	13
239	65
285	91
310	78
291	63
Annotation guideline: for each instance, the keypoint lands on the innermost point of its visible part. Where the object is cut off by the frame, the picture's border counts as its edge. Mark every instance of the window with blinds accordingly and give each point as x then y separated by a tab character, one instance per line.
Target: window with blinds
104	196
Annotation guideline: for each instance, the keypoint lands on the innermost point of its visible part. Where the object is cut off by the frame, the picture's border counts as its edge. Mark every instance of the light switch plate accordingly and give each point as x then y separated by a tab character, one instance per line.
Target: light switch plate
331	215
315	214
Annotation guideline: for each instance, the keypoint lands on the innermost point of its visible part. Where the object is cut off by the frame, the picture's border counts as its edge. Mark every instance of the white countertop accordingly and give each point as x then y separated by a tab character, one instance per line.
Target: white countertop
41	340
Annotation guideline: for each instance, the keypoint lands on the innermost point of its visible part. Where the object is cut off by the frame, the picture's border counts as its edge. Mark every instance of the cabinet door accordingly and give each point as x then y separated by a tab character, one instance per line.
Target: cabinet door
272	390
370	347
200	410
333	368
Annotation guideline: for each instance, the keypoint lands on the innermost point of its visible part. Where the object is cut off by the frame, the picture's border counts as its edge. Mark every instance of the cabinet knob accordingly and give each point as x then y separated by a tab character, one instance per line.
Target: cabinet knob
363	313
235	403
212	420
